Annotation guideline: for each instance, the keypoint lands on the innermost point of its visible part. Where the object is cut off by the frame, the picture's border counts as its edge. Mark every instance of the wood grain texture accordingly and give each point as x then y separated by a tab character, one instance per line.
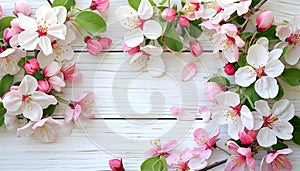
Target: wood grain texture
131	108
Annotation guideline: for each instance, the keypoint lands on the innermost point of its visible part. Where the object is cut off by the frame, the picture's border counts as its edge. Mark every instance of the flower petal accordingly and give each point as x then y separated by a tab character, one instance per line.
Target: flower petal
262	108
283	130
266	87
152	29
12	102
197	164
153	50
204	113
275	54
145	10
228	99
45	60
128	17
57	83
28	39
61	13
51	69
43	99
258	121
274	68
235	128
169	145
200	136
181	114
247	117
263	41
45	45
293	55
258	56
7	52
284	110
28	23
32	111
26	129
245	76
134	37
266	137
45	13
28	85
189	71
156	66
58	30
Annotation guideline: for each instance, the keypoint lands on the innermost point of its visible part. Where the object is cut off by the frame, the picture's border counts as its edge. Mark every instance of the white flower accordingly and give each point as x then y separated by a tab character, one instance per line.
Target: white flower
27	100
264	65
274	122
38	32
9	59
134	21
230	111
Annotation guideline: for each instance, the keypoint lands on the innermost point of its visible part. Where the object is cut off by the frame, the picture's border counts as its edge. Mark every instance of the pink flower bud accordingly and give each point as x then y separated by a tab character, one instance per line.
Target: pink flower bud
22	7
264	20
183	21
213	89
44	86
100	5
196	48
229	69
247	137
1	11
169	14
94	47
131	51
105	42
71	74
116	165
31	66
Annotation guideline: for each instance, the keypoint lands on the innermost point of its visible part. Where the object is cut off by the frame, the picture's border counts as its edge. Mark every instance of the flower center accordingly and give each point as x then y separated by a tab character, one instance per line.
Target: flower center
231	114
42	31
269	120
184	166
294	39
26	98
260	72
2	49
237	109
190	8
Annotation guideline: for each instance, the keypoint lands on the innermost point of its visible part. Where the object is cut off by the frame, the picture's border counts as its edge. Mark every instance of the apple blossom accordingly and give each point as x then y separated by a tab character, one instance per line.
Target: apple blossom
139	23
231	111
31	66
291	34
27	100
105	42
44	86
193	11
70	73
229	69
265	66
22	7
100	5
196	48
247	136
183	21
10	35
213	89
277	161
1	11
240	158
264	20
169	14
274	122
9	59
131	51
44	130
161	150
202	138
39	32
96	45
116	165
180	161
54	77
11	122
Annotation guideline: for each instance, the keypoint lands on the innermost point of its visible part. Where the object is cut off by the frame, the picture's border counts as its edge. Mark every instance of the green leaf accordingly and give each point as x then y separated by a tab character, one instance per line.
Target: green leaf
296	137
38	75
195	29
251	96
173	40
279	146
2	112
5	23
240	20
220	80
160	165
291	76
280	92
5	84
134	4
90	22
21	62
242	60
270	33
162	2
296	123
65	3
49	111
255	2
246	35
147	164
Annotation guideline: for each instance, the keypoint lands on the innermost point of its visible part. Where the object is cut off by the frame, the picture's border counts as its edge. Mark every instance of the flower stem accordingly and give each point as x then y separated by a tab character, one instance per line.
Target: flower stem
61	100
50	2
222	149
214	165
261	3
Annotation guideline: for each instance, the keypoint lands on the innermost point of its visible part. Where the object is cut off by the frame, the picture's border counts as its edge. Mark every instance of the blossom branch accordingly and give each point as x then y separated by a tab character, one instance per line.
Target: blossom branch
260	4
49	2
214	165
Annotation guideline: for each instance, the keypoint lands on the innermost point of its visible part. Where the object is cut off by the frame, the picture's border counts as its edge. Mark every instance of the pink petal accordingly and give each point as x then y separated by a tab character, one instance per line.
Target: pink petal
189	71
169	146
205	113
211	142
200	136
181	114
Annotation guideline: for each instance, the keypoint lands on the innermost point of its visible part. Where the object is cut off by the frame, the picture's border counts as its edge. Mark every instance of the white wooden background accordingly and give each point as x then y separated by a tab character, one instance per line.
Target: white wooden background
131	109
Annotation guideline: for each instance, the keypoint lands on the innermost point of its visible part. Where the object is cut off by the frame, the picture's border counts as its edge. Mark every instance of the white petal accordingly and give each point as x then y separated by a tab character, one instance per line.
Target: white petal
145	10
189	71
153	50
262	108
263	41
228	99
275	54
219	114
61	13
58	30
136	57
14	42
284	110
43	99
266	137
197	163
283	130
247	117
26	129
245	76
293	55
128	17
156	66
258	56
274	68
258	121
32	111
28	23
52	69
266	87
233	129
134	37
7	52
45	60
45	45
28	85
13	102
152	29
28	39
45	13
231	53
63	52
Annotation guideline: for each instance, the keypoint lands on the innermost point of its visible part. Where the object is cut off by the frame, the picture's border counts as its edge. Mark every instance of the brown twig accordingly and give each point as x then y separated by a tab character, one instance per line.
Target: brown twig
260	4
214	165
49	2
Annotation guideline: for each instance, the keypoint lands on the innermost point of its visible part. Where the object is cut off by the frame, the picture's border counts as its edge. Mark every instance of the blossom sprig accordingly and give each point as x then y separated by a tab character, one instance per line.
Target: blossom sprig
31	85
